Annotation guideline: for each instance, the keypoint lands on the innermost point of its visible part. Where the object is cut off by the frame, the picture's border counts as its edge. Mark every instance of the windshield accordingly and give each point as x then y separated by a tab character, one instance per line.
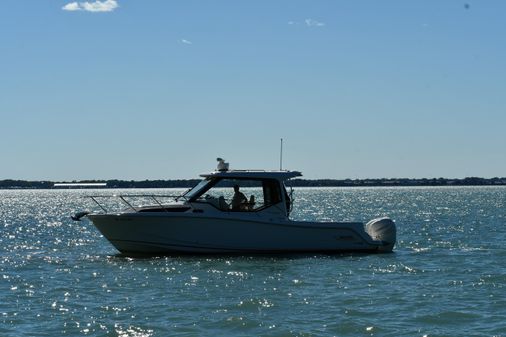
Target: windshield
238	194
197	189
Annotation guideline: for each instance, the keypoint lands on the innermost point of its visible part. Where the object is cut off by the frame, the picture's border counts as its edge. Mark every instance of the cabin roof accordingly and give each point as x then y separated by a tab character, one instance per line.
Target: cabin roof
253	174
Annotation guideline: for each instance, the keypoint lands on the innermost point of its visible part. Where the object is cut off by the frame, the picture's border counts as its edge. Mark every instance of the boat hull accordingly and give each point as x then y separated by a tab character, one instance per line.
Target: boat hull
134	233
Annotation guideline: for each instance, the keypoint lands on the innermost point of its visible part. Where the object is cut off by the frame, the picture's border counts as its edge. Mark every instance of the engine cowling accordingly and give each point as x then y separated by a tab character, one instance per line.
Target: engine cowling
382	229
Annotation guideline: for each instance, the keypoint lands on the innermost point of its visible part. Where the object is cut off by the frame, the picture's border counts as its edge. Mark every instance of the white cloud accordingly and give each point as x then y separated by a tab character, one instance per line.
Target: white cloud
97	6
313	23
308	23
185	41
100	6
72	6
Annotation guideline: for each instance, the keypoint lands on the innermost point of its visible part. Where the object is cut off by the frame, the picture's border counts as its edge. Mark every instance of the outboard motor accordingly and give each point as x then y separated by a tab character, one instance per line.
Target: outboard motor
382	229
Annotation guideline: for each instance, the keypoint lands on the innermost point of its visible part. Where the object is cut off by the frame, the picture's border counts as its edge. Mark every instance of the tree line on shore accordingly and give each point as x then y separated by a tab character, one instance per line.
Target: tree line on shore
187	183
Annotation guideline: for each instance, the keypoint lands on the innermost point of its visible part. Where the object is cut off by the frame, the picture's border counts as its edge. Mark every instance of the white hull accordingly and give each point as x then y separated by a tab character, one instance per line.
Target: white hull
164	233
216	217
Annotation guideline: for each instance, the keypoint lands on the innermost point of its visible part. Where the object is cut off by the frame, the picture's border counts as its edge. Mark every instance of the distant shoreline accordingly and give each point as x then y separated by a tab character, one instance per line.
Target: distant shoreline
187	183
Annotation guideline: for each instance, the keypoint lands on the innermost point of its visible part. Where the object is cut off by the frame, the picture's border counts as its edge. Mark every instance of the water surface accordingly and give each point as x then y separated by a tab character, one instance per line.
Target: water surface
446	277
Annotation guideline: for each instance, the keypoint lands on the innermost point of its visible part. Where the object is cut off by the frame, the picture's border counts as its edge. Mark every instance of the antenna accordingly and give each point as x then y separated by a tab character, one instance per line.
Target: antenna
281	156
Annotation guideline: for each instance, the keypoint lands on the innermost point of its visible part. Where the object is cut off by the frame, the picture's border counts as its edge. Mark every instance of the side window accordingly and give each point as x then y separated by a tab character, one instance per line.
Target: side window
272	192
242	195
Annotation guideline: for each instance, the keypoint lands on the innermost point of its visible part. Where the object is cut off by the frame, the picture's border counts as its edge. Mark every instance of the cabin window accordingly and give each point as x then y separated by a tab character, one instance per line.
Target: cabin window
272	193
252	194
198	189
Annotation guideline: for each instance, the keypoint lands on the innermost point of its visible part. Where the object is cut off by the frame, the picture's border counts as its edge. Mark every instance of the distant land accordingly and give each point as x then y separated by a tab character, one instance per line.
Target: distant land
187	183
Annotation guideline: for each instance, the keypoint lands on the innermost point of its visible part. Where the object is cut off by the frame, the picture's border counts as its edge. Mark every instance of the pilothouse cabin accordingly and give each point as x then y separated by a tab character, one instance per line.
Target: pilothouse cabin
243	191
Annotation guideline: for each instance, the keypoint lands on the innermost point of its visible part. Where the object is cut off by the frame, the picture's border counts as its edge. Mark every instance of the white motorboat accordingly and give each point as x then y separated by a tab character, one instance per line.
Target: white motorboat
213	218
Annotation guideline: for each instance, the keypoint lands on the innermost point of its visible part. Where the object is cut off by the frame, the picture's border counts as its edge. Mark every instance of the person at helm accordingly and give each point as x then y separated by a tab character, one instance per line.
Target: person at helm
239	199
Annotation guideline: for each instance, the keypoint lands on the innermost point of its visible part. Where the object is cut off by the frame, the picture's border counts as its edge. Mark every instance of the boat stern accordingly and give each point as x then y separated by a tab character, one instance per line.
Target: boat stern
384	230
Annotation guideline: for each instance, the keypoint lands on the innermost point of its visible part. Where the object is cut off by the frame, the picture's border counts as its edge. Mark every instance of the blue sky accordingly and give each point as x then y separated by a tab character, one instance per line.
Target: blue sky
158	89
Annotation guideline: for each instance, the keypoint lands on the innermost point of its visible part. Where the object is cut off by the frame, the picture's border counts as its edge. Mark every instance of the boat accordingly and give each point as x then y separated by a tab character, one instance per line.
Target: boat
216	216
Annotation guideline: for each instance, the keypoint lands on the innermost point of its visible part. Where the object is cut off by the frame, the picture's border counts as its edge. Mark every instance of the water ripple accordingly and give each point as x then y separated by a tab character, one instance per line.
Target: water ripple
446	276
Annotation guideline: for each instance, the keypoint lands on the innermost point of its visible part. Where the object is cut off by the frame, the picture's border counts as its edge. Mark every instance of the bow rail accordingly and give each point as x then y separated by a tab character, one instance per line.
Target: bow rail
126	199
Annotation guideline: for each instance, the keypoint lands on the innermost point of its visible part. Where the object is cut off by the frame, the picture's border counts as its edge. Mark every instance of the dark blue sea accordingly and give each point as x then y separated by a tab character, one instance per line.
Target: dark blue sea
446	276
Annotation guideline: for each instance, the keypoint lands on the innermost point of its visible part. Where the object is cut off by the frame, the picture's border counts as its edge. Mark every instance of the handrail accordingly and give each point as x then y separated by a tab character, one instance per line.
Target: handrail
129	204
126	202
93	198
159	204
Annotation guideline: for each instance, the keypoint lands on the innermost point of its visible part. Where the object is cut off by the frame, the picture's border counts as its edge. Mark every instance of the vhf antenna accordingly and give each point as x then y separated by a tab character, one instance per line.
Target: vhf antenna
281	156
